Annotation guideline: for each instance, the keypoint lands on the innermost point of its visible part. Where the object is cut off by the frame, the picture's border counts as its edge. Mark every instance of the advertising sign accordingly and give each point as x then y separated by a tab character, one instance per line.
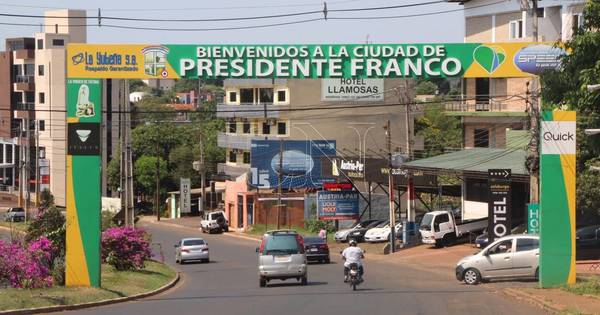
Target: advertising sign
499	203
533	218
84	116
301	167
185	195
352	168
557	198
347	89
337	205
469	60
44	169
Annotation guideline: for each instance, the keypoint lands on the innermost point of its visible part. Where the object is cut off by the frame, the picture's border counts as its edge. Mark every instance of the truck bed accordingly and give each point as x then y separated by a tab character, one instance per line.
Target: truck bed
470	226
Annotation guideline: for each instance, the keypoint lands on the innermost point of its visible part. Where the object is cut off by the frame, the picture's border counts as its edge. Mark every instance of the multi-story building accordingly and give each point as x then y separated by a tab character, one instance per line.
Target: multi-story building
497	104
273	109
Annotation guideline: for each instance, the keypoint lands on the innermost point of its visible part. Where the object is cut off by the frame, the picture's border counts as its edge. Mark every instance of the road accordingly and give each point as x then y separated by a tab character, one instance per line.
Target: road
229	285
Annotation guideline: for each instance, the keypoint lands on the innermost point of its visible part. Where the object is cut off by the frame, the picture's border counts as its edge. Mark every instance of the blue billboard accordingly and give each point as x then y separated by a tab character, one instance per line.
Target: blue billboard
301	165
337	205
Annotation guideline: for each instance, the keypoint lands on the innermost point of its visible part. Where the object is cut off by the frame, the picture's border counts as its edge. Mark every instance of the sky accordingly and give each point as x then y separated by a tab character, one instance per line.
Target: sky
435	28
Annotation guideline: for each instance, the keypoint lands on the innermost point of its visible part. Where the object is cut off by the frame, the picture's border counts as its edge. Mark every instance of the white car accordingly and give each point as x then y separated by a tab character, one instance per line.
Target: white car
342	235
191	249
381	233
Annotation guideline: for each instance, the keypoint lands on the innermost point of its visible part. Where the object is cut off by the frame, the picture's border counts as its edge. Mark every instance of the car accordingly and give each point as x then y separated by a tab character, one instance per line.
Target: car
316	249
513	256
482	240
587	243
381	233
214	222
15	214
191	249
358	234
342	235
281	256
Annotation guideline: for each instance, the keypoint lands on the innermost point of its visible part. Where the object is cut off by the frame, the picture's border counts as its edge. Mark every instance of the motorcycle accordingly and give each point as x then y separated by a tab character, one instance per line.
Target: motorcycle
354	276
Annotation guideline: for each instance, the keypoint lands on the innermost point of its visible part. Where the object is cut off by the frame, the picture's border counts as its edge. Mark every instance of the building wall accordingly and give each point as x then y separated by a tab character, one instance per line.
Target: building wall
478	29
66	21
232	190
5	95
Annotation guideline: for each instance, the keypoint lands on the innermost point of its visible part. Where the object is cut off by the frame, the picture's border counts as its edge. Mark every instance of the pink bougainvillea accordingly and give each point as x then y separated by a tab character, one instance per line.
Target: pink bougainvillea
126	248
26	267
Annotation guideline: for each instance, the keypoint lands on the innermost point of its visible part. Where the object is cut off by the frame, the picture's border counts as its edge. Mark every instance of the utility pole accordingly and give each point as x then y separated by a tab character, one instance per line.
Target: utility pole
279	180
27	168
534	114
388	136
157	179
37	163
410	208
202	162
20	166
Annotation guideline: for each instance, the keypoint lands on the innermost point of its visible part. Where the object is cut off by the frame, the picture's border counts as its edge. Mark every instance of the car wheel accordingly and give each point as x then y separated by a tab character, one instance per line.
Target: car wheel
263	282
304	280
537	273
181	262
226	229
327	261
206	261
472	276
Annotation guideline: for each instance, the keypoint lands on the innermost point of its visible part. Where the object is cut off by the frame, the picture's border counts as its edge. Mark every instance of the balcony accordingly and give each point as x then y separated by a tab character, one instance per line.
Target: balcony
250	111
489	108
24	83
25	106
232	171
24	54
241	142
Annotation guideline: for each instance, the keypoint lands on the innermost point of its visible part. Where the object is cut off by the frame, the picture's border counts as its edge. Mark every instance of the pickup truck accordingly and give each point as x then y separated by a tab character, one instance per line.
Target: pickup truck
440	228
15	214
214	222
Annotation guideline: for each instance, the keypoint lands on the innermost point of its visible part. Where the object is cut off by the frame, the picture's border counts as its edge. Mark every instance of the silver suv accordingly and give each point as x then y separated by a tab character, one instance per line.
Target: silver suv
514	256
281	256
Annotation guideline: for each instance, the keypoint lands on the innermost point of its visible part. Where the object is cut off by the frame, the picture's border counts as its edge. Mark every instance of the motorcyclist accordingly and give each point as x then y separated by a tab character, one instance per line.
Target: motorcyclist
353	254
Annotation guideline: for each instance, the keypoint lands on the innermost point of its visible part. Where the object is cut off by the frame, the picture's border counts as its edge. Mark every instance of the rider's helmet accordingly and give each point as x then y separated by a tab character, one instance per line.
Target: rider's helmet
352	242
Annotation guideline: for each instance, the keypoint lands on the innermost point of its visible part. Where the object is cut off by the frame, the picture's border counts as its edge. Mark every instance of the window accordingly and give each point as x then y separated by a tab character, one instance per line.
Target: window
282	96
525	244
265	96
246	157
266	129
247	96
481	138
281	128
29	97
477	190
232	97
541	13
29	69
516	29
41	125
246	127
577	21
40	44
232	157
501	248
41	70
232	127
193	242
58	42
42	97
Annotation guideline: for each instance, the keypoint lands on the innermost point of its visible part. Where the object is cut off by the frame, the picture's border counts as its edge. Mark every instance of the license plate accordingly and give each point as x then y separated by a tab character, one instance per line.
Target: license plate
477	245
282	258
314	249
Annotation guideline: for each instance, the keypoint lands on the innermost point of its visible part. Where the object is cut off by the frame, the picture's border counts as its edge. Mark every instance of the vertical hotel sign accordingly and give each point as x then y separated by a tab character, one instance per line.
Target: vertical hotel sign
84	116
557	198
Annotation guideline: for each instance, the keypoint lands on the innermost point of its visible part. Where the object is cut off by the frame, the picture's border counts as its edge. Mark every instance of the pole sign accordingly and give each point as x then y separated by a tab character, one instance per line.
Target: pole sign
557	198
185	195
84	117
499	203
337	205
469	60
533	218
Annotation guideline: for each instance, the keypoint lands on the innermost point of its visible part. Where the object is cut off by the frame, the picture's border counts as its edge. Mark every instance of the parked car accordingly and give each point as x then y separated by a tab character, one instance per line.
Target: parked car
342	235
381	233
587	243
482	240
513	256
281	256
191	249
358	234
214	222
15	214
441	228
316	249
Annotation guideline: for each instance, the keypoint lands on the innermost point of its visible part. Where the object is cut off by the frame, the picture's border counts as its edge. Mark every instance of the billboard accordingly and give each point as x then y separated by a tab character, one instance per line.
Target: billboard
301	167
557	198
469	60
499	203
348	89
337	205
185	185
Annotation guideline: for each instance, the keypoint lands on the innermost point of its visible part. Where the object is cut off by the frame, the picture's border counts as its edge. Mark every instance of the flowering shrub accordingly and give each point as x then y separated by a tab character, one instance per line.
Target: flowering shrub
126	248
26	267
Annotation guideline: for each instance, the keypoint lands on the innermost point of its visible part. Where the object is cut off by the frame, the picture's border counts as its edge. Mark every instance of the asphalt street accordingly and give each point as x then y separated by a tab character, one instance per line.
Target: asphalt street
229	285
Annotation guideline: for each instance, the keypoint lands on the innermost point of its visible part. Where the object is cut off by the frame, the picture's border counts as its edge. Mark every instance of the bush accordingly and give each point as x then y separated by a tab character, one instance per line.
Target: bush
107	220
49	223
27	267
315	225
126	248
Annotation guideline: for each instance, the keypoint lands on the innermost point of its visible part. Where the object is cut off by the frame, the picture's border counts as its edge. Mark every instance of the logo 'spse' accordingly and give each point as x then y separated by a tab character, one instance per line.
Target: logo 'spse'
535	59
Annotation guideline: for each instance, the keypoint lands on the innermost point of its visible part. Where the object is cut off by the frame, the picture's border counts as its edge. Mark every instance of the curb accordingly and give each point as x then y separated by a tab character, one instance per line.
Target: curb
60	308
242	236
531	299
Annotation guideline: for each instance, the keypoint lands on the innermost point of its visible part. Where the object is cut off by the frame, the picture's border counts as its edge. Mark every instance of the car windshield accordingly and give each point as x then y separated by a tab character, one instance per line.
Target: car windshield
313	240
383	224
17	210
215	216
427	219
281	245
193	242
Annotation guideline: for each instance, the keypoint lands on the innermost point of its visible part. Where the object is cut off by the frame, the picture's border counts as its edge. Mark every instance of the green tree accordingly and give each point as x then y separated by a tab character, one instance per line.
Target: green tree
185	85
181	159
426	88
145	173
136	85
113	172
441	132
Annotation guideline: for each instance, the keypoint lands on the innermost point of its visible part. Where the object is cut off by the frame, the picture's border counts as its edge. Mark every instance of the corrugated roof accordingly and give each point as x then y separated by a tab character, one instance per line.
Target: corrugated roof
475	160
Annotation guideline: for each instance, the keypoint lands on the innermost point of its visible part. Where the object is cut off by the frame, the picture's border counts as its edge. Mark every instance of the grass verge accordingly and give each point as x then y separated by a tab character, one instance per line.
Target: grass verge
18	226
585	286
115	284
259	229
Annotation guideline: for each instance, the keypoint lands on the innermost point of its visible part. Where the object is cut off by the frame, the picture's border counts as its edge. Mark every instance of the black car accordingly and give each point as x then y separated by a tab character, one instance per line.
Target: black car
358	234
482	240
587	243
316	249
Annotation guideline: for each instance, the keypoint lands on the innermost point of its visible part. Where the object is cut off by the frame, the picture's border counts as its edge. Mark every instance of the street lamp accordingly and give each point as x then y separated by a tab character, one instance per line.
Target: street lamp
591	132
593	87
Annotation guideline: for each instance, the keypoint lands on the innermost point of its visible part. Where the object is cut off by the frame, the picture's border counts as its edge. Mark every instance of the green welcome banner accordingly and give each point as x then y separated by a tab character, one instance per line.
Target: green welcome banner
557	198
84	117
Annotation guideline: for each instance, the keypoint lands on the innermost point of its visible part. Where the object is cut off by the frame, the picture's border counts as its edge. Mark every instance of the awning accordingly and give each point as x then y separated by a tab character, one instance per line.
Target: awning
474	162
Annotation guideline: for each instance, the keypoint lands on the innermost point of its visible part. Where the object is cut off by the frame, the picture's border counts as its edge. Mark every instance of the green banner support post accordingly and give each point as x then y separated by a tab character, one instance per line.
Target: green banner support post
533	218
557	198
84	138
